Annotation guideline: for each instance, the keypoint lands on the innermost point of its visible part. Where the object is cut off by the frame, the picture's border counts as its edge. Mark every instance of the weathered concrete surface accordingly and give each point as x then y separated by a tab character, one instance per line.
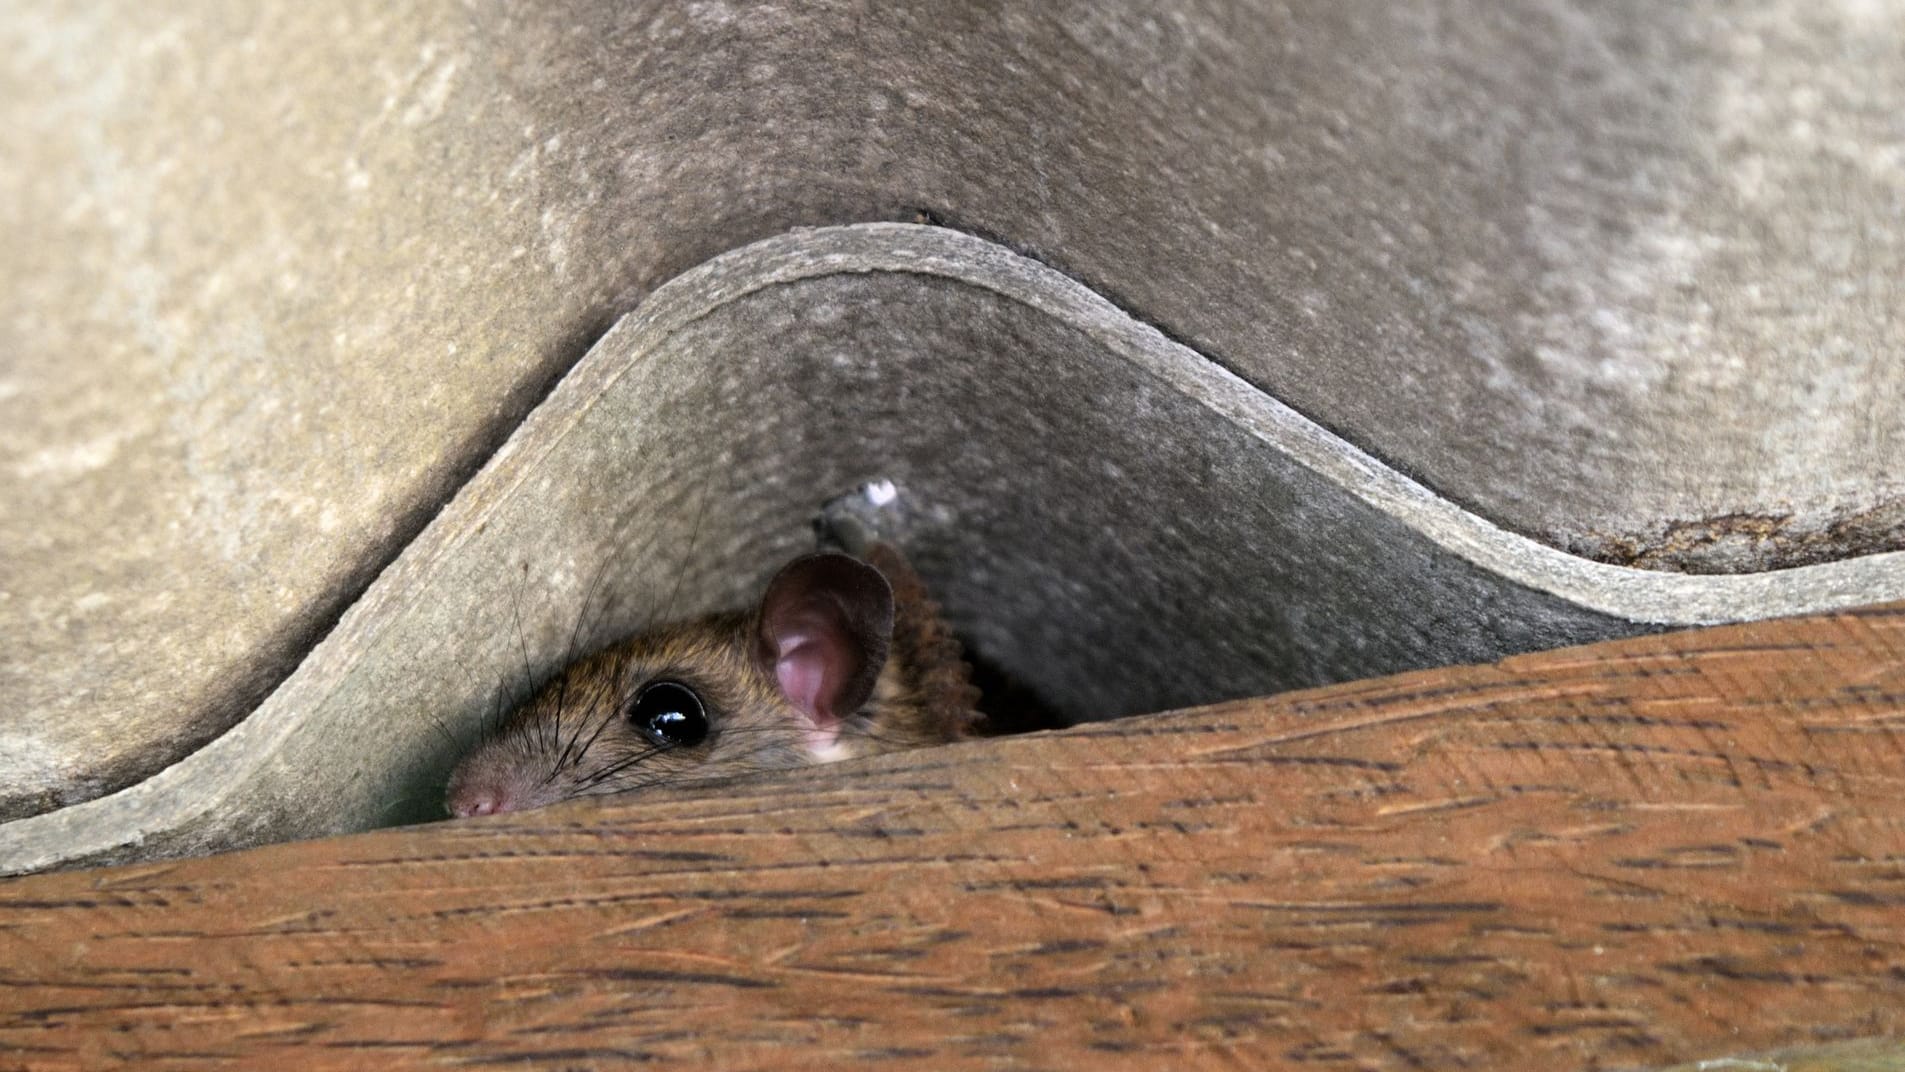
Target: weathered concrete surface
279	276
1117	522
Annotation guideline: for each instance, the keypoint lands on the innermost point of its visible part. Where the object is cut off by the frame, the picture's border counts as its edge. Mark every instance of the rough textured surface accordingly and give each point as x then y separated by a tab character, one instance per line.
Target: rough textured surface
1659	850
1140	531
279	276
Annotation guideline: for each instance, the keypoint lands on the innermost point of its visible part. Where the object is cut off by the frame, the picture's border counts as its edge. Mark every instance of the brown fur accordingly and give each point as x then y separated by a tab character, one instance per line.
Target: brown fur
573	738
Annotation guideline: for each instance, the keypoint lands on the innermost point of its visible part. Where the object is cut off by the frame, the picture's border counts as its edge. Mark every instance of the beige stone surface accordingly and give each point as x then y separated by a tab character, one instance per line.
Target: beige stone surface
278	277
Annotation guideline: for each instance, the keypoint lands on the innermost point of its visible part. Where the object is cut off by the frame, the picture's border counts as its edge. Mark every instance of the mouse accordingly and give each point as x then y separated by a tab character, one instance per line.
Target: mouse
843	655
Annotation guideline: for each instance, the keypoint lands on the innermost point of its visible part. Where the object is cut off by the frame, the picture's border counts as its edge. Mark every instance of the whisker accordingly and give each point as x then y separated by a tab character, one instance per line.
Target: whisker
610	711
571	755
497	710
694	538
614	769
443	731
590	613
522	643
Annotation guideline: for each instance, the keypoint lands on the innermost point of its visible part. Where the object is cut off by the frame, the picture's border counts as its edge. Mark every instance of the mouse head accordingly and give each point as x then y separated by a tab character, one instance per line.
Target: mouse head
781	687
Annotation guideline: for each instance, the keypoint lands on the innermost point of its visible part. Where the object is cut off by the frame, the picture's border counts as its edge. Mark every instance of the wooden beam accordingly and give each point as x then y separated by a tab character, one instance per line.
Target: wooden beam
1632	854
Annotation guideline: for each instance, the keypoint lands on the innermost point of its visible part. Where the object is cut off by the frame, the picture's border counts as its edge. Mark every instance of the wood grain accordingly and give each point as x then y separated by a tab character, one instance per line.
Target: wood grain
1633	854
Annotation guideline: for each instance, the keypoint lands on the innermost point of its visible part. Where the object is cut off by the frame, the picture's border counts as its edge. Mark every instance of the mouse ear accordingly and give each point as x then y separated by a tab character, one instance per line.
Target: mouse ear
821	634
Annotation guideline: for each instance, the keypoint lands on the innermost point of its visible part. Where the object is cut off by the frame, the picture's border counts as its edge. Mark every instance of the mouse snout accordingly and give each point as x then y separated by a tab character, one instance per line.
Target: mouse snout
478	788
476	801
510	773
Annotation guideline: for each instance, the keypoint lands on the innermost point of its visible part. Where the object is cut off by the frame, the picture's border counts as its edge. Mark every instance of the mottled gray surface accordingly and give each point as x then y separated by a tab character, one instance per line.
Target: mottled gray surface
1117	522
278	277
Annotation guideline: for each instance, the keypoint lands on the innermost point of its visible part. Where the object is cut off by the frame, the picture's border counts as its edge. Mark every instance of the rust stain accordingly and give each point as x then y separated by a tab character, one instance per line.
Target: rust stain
1746	542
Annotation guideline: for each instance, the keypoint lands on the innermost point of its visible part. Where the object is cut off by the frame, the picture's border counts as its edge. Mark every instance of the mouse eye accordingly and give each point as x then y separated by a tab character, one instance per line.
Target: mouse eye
669	714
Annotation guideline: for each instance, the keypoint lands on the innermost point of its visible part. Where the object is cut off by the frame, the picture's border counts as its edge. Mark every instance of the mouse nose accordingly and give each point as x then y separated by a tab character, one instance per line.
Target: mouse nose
477	802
